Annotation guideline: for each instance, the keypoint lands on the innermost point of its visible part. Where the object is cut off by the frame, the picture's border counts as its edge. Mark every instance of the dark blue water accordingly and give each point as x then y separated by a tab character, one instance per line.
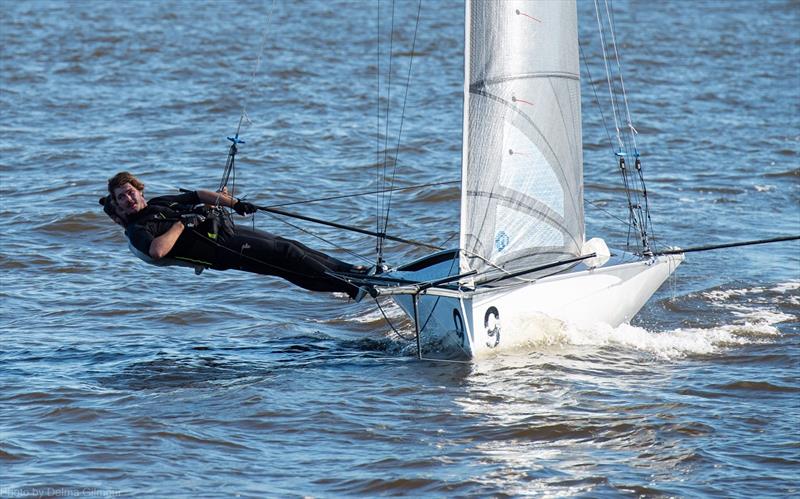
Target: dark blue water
119	379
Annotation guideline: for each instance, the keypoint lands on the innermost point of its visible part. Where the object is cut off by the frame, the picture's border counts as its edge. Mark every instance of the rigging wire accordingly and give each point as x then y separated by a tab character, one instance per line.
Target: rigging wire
386	202
608	74
638	203
596	97
633	131
229	169
364	193
383	163
631	222
600	208
402	117
620	143
378	185
645	221
317	236
347	227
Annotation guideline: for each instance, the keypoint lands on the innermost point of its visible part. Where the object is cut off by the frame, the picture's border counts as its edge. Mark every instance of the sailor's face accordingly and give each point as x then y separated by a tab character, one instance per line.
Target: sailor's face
129	199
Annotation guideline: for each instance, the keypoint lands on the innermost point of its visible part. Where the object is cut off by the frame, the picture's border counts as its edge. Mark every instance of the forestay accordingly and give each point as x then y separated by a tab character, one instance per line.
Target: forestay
522	166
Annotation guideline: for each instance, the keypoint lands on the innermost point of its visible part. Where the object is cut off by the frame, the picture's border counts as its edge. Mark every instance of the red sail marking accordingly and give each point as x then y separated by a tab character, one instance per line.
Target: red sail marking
515	99
528	16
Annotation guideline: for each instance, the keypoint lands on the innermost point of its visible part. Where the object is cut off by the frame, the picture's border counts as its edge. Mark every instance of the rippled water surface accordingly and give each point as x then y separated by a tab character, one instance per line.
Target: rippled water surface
121	379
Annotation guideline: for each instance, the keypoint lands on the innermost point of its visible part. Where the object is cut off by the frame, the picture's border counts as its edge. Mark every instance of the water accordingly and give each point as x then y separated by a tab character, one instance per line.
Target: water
119	379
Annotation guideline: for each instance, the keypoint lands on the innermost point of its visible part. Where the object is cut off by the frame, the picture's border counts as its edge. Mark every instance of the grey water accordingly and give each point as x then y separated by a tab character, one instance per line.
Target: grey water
119	379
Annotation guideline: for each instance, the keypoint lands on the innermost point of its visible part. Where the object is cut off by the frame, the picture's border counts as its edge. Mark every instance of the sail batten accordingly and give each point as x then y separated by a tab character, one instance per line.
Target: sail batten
502	79
522	171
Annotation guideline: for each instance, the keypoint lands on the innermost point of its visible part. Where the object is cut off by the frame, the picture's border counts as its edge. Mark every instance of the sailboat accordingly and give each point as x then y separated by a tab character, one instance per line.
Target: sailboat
523	260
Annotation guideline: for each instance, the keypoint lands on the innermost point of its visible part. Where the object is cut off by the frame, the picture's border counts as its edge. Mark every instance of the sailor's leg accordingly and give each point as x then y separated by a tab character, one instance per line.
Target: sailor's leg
263	253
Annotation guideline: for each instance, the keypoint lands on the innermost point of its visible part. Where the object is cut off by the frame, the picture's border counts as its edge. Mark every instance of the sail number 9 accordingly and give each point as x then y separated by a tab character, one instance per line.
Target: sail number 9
491	321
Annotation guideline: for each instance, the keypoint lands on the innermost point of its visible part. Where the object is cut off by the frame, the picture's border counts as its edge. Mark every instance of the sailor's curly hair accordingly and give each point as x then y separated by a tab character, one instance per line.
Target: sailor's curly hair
123	178
110	206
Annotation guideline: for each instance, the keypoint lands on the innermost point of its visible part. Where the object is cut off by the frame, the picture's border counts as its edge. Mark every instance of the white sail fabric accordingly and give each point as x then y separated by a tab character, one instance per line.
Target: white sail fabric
522	165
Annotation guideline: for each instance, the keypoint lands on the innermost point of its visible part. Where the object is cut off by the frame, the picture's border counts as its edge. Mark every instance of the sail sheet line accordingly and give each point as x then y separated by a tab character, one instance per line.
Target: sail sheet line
363	193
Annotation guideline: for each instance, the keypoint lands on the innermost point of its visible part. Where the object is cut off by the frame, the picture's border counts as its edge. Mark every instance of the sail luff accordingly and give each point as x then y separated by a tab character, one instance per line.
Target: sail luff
522	172
463	261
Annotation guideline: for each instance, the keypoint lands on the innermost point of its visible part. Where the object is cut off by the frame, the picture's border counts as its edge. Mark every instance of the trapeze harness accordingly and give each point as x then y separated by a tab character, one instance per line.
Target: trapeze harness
210	240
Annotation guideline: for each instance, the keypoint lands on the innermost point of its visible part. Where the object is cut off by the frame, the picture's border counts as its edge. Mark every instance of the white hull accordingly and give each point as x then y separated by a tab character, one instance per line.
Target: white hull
456	323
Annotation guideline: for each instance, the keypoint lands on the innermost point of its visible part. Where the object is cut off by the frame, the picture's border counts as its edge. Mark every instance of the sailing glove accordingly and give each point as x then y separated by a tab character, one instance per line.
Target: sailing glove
192	219
244	208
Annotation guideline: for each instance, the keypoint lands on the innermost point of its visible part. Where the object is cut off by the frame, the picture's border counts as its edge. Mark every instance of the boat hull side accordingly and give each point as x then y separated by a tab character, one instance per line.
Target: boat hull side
473	324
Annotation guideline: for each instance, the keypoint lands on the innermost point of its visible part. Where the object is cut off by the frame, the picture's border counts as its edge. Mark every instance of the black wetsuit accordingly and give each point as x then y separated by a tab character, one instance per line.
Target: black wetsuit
235	248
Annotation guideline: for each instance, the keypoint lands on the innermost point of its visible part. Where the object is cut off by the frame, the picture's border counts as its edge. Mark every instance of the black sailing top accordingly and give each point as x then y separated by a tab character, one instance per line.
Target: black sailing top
216	244
191	249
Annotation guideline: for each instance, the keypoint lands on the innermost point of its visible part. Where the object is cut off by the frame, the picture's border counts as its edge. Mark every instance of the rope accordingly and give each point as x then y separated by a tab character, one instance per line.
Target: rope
386	318
409	339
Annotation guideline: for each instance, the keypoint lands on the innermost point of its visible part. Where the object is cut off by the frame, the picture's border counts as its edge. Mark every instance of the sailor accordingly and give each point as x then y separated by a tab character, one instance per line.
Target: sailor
190	229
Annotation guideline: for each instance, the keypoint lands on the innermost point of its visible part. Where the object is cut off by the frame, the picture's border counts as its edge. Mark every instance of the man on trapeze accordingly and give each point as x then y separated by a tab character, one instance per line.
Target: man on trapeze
183	230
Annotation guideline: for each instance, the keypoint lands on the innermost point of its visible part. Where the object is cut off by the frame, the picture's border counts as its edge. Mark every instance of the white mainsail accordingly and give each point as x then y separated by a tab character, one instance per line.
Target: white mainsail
522	164
522	198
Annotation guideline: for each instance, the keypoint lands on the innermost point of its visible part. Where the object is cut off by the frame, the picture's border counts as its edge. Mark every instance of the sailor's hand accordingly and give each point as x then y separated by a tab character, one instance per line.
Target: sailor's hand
244	208
192	219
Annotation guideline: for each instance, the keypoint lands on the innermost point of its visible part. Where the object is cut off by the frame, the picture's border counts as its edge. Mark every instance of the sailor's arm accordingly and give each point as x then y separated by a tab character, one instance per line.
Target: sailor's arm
163	244
209	197
224	199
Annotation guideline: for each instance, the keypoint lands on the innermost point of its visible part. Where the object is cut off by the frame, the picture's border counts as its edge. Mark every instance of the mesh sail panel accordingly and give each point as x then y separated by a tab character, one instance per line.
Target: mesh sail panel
522	166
